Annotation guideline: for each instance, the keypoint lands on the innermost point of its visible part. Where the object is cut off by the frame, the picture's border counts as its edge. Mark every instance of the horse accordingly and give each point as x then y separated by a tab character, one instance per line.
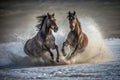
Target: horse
44	40
76	38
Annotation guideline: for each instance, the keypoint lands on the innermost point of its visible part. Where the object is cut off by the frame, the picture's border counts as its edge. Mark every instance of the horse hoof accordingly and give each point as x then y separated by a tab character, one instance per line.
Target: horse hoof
51	61
52	58
68	58
57	60
63	53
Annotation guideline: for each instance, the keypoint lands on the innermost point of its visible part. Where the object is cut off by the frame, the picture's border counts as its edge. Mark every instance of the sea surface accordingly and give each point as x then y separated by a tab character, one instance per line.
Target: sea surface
102	71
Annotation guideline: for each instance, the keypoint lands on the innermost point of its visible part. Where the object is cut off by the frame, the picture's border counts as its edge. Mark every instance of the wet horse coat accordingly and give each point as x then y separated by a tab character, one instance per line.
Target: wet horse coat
44	39
76	38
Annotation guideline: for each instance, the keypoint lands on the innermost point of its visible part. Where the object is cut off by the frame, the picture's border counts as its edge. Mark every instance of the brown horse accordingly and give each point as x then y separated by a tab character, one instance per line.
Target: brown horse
44	40
76	38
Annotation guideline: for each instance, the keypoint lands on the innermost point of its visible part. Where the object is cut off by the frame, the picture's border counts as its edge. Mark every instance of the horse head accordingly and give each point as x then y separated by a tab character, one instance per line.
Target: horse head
51	22
72	20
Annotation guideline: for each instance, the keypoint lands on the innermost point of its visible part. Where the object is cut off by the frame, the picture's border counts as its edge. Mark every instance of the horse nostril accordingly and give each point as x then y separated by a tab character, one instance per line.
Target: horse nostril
56	29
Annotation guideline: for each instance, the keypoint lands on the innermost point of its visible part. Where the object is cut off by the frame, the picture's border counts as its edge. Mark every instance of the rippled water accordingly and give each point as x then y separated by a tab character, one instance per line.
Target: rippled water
105	71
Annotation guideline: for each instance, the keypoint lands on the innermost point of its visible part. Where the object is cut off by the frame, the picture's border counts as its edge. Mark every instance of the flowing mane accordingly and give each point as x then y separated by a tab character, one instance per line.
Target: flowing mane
41	20
79	23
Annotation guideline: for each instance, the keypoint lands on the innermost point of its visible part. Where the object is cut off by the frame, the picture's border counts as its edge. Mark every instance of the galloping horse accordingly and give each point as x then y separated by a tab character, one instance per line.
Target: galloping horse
76	38
44	40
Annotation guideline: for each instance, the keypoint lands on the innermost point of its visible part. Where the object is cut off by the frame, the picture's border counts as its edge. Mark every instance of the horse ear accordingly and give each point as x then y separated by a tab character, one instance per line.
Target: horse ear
69	12
53	14
48	14
74	13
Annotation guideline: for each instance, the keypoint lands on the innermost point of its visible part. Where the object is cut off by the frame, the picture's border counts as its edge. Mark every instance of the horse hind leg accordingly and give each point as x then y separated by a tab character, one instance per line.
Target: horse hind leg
26	50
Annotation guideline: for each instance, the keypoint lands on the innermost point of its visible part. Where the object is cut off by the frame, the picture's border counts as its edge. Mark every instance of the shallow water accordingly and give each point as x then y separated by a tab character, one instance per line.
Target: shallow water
103	71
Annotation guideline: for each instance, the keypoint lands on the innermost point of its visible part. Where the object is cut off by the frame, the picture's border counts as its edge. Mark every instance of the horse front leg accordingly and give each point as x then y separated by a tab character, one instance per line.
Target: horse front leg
63	50
69	57
56	47
51	54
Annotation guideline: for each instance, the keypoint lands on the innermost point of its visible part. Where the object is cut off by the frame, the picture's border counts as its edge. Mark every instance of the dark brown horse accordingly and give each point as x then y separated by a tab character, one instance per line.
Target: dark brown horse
76	38
44	40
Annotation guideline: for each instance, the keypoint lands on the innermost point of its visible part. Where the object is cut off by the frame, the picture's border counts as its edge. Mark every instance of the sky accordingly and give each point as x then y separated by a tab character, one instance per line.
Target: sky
18	17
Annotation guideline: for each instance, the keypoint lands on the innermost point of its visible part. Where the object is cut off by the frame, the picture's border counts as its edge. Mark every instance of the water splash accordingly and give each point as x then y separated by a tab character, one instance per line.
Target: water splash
95	52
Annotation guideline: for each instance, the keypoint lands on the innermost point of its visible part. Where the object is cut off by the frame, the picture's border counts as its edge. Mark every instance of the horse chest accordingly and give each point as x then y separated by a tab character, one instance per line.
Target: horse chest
50	41
72	39
50	38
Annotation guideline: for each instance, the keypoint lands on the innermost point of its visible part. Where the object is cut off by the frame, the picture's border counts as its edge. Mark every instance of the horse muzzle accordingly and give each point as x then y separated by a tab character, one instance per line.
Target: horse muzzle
72	28
55	29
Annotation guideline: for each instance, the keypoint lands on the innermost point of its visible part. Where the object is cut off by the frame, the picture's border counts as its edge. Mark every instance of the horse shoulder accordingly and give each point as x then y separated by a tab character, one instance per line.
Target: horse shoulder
37	41
50	37
70	35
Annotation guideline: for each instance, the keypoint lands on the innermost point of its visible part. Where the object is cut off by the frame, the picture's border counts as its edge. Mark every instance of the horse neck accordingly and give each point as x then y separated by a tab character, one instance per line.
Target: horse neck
48	31
77	29
45	30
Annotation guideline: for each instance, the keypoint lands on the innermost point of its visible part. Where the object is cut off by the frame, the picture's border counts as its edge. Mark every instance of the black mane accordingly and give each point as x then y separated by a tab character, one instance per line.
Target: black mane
41	20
